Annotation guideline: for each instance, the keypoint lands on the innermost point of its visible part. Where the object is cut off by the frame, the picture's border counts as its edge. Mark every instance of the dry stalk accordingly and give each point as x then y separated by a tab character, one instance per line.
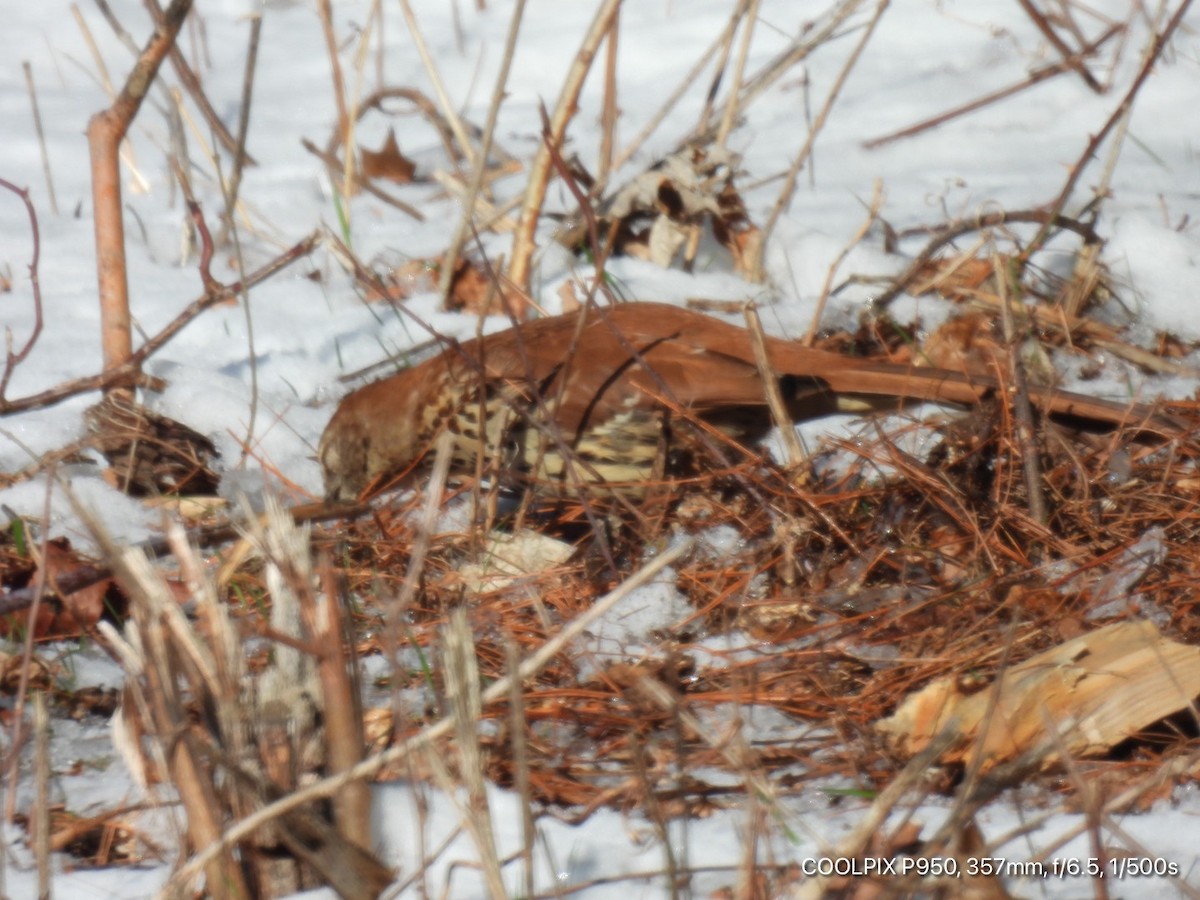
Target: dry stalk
41	809
739	72
97	58
192	84
41	136
1027	444
480	165
462	693
609	110
784	201
827	287
770	379
325	13
439	88
804	46
234	183
337	670
153	608
524	243
440	729
520	760
17	741
722	41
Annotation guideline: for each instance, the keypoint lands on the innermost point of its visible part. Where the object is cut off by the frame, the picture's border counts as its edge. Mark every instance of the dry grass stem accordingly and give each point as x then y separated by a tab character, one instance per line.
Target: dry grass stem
439	89
729	117
873	211
784	200
480	163
524	242
770	378
41	136
369	767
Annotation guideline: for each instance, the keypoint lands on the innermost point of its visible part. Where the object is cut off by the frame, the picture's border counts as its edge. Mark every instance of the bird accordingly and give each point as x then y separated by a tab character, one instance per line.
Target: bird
611	396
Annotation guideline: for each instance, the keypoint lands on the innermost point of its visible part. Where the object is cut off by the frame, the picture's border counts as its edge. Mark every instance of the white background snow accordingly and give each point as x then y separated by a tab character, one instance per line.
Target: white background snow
926	57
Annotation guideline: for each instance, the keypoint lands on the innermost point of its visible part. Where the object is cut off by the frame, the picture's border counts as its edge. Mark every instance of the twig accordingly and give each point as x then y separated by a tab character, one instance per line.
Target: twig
191	83
1070	59
756	266
1157	45
948	232
1037	76
130	369
12	360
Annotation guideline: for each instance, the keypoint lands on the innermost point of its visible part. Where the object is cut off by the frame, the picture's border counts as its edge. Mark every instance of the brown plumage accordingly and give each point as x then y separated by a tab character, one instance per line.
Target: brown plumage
617	386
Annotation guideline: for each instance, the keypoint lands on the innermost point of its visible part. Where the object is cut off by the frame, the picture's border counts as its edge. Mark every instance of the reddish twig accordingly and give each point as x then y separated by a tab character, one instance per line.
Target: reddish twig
1071	60
12	360
130	369
948	232
1035	77
1093	144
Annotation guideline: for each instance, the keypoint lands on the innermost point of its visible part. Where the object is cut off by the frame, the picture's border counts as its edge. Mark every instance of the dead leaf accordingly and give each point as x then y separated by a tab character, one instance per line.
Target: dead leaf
69	615
388	162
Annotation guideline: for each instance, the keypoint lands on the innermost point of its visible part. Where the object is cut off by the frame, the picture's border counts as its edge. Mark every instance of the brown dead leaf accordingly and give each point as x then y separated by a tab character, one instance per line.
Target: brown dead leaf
956	277
388	162
970	343
69	615
475	290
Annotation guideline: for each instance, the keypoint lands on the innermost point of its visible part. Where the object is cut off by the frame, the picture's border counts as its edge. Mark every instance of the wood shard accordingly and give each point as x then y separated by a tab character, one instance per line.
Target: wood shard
1083	697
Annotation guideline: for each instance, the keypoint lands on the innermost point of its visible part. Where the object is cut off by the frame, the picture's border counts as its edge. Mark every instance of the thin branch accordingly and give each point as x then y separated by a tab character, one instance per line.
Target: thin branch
1035	77
129	369
1156	48
12	360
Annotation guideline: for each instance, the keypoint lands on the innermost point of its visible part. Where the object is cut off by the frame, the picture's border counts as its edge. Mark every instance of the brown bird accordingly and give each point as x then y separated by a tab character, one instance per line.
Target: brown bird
612	395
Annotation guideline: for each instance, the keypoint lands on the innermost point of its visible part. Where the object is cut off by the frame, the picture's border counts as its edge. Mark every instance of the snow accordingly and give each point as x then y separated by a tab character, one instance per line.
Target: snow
926	57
